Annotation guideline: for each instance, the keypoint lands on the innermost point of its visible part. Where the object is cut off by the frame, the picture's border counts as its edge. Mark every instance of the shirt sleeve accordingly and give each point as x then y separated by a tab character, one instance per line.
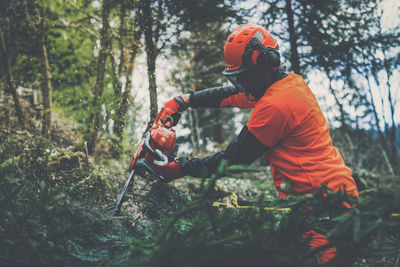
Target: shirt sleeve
244	149
268	124
224	96
238	100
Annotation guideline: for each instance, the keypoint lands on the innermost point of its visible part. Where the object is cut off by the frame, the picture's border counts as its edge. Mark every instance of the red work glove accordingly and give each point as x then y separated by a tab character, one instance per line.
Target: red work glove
172	170
173	108
178	104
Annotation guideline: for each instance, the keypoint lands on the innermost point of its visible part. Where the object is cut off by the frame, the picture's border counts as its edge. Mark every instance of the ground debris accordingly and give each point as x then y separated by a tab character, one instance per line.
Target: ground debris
149	198
65	160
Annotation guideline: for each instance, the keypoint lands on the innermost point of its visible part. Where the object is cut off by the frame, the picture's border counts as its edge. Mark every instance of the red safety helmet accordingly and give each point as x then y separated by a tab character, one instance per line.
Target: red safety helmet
240	53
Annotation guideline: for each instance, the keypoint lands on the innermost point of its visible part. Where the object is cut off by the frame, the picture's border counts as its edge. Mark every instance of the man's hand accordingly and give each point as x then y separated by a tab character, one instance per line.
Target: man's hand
173	108
178	103
172	170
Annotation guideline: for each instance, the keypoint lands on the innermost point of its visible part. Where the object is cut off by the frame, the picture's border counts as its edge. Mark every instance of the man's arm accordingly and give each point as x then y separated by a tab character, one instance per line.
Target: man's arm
245	149
224	96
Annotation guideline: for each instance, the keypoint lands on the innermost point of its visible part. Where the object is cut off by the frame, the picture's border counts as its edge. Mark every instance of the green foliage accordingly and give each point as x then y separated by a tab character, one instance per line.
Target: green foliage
71	54
345	41
199	234
52	213
364	154
45	220
54	203
200	48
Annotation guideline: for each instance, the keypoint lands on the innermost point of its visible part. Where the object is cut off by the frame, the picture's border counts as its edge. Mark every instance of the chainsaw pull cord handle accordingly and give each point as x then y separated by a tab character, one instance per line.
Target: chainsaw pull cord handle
160	158
158	116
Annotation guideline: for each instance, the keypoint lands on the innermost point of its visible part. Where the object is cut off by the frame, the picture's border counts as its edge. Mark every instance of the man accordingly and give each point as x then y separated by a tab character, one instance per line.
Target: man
286	123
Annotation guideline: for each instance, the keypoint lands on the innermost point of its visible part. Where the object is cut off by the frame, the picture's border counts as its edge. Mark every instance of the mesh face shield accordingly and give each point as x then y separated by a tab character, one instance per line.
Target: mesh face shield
247	65
233	78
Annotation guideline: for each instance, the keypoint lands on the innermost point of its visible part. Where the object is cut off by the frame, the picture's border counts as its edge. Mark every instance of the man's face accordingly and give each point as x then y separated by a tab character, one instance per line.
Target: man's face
254	81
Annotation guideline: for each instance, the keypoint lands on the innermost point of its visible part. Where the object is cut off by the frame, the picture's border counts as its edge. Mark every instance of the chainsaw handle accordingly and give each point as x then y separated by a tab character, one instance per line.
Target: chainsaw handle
168	123
160	158
167	117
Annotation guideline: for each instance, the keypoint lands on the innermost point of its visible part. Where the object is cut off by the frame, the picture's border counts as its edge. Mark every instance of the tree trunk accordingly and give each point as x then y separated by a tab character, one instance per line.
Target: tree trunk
151	59
125	96
294	56
117	76
95	118
193	123
377	122
343	113
46	82
393	129
390	132
10	82
126	65
218	128
391	102
194	136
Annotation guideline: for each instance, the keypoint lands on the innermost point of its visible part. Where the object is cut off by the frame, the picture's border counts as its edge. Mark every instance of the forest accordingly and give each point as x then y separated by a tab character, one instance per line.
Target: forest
81	81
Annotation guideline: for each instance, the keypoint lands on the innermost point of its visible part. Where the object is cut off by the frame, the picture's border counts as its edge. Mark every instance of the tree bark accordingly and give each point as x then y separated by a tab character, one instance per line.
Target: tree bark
218	128
118	73
294	55
390	131
95	117
343	113
10	82
46	82
126	94
193	122
377	121
125	68
151	58
393	129
194	136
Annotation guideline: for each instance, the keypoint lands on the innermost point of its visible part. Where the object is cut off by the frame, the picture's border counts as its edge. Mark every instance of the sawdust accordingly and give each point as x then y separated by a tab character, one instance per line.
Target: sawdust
149	198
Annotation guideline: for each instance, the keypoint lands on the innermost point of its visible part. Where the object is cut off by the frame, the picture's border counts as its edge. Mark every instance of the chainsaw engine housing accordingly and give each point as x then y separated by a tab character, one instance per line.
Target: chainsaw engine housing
158	138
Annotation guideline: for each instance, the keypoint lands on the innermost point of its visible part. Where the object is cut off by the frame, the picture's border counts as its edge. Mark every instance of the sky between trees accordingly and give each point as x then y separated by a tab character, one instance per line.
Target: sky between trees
316	80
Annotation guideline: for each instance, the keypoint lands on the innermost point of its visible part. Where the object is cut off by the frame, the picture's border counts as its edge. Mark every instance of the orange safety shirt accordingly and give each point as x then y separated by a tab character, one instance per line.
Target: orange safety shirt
289	121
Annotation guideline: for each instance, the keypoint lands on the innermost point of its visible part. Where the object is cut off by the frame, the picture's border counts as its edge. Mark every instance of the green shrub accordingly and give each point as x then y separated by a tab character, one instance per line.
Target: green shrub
45	218
55	210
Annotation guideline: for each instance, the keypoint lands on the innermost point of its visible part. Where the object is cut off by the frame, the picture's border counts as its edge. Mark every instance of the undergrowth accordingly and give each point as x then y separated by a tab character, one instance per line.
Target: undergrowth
55	210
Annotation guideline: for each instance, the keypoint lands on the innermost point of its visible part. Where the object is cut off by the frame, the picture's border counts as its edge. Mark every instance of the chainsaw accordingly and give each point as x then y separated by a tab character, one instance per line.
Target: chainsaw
157	147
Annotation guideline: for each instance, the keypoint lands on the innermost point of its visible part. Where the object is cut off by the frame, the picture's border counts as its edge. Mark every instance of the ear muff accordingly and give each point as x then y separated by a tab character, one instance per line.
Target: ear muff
269	57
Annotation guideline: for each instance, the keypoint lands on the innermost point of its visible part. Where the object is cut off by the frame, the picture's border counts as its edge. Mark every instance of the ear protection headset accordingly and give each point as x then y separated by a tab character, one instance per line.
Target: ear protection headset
269	57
